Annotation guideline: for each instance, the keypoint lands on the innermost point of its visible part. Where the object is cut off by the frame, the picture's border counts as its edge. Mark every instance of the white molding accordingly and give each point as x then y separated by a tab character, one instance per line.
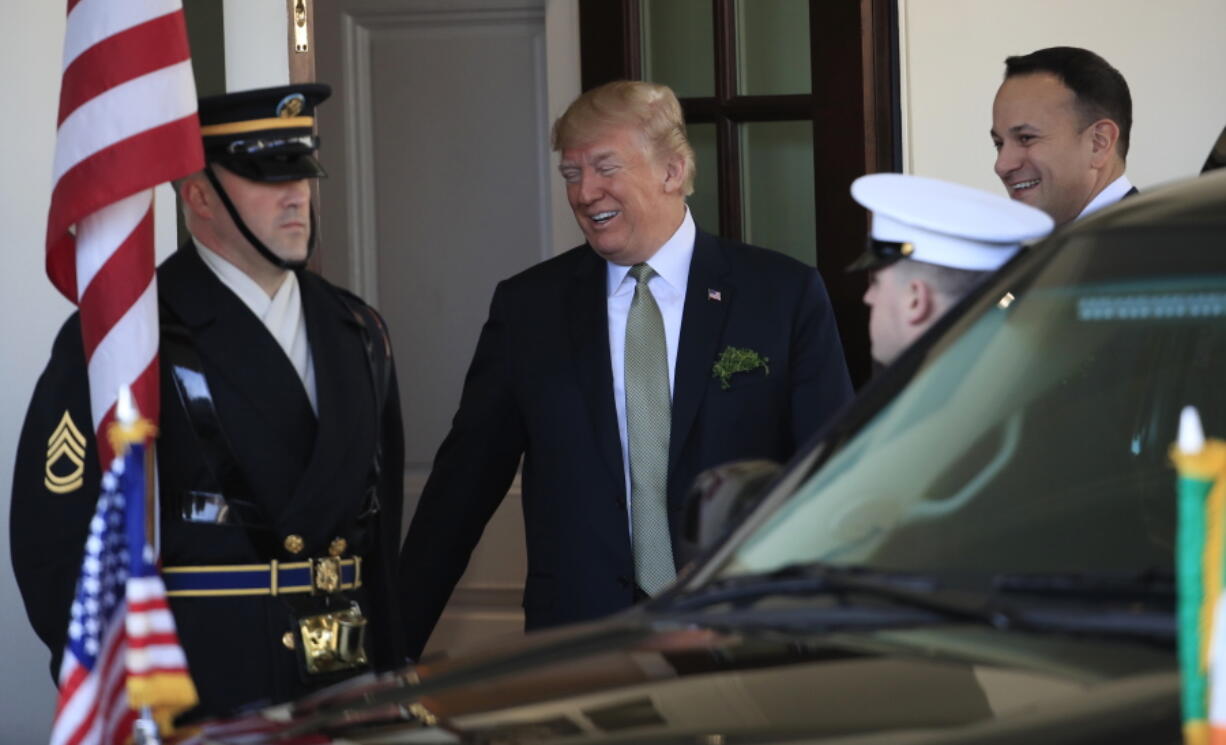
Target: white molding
565	85
359	157
425	13
904	83
540	63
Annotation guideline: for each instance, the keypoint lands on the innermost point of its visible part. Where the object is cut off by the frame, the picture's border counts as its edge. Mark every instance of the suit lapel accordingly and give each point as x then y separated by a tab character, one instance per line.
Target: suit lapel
345	402
588	313
702	325
233	343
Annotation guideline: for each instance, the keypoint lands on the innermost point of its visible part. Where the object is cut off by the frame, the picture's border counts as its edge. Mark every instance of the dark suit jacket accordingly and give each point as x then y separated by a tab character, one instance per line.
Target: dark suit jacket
306	476
540	386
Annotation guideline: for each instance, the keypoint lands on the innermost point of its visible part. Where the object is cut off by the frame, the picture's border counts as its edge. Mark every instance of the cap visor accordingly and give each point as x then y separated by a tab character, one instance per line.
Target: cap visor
275	168
868	261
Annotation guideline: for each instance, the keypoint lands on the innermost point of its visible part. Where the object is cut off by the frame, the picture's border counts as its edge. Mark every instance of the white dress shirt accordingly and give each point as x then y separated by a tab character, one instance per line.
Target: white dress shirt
281	313
672	267
1111	194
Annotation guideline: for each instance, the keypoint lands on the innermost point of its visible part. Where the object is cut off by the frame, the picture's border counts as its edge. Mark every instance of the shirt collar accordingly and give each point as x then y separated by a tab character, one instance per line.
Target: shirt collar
671	262
1111	194
246	288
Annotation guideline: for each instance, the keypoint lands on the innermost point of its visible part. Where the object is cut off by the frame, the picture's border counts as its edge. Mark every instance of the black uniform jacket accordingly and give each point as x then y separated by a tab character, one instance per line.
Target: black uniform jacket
540	386
307	475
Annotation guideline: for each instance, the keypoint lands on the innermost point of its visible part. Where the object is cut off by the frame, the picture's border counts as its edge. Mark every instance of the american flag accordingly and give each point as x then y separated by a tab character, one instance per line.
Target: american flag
127	122
122	649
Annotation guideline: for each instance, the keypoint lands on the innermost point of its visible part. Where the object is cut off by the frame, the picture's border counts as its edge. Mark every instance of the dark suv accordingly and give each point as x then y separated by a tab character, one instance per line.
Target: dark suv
980	551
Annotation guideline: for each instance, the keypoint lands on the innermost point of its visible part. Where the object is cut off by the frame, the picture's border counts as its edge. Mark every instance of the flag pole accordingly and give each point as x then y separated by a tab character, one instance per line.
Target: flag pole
152	549
145	728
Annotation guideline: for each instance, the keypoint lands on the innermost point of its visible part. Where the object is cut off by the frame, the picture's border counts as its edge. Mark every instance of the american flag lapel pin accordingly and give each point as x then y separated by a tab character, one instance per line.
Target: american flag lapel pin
714	295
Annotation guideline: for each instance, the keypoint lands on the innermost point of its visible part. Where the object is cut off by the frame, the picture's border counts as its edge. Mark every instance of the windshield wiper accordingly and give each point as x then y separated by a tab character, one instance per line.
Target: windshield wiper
919	591
1154	585
1101	605
795	579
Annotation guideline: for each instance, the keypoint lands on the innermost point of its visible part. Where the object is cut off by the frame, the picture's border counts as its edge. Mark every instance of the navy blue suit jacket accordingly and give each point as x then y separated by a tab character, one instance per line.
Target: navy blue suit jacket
540	386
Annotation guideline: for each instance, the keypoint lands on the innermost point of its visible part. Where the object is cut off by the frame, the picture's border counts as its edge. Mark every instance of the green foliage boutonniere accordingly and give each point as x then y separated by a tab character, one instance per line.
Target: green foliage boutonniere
735	360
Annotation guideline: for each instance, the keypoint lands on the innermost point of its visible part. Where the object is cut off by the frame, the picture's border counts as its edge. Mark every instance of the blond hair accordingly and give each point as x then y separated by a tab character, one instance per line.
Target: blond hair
651	108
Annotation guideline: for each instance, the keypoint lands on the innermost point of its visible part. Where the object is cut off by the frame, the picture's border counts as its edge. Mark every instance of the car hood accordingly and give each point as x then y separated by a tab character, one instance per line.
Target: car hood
654	678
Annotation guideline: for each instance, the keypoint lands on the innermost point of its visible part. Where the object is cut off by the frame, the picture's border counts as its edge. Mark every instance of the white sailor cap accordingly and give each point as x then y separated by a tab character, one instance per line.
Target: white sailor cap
938	222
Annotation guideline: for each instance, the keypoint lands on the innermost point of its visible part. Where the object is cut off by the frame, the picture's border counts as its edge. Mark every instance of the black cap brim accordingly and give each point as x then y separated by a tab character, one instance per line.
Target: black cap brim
870	261
879	254
273	168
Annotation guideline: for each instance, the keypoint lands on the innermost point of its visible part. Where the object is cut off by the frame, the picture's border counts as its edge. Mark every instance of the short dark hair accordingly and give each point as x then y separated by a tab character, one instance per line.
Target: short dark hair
951	282
1100	89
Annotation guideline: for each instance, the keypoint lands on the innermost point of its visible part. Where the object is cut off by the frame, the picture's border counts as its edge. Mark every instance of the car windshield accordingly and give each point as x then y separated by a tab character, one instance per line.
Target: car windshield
1034	436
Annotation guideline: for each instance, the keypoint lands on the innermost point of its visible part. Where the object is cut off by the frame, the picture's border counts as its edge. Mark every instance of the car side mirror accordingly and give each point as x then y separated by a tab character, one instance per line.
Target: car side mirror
722	497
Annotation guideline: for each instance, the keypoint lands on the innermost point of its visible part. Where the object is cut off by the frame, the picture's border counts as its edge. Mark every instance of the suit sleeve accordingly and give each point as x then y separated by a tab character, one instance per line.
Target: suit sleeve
391	499
821	385
472	472
55	491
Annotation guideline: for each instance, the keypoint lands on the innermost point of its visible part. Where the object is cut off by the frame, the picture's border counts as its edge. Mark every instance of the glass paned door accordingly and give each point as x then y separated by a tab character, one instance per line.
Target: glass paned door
772	53
777	187
742	69
679	45
704	202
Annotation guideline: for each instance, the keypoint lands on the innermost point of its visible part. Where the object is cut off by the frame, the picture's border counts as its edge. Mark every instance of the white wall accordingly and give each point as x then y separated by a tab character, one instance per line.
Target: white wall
32	312
953	52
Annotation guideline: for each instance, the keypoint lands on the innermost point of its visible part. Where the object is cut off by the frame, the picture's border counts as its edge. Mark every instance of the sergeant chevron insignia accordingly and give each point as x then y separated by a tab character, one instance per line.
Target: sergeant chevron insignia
67	445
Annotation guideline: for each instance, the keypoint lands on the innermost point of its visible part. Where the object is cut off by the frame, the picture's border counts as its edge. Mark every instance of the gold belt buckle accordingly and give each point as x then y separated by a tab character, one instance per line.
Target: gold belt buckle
325	575
334	641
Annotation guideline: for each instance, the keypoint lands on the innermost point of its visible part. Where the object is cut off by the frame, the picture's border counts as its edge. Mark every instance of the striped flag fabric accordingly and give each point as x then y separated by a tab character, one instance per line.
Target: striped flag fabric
1200	566
127	122
123	652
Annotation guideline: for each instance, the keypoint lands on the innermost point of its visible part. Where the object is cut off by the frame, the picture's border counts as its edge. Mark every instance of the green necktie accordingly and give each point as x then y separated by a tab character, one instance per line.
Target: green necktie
648	419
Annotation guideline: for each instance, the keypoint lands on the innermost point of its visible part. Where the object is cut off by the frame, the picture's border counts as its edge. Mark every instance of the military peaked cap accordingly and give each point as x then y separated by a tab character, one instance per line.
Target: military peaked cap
266	134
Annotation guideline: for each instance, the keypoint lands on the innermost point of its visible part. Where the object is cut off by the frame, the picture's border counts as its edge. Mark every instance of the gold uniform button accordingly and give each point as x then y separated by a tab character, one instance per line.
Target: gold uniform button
337	547
294	544
287	639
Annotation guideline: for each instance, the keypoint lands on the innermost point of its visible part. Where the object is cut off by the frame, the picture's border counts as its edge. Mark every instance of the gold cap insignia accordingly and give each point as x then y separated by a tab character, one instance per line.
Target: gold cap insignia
291	105
66	444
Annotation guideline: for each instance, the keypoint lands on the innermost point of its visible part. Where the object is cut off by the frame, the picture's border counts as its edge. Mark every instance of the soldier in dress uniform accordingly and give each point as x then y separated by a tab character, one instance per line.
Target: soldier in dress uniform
280	455
931	243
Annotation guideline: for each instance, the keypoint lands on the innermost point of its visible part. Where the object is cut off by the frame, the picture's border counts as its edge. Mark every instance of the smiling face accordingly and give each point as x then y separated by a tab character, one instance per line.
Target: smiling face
1045	152
628	201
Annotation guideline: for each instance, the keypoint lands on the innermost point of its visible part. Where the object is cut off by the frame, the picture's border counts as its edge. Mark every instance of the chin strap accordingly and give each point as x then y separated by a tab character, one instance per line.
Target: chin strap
264	251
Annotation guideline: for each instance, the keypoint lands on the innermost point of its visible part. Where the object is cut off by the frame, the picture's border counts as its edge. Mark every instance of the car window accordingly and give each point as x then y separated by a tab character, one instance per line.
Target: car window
1035	435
